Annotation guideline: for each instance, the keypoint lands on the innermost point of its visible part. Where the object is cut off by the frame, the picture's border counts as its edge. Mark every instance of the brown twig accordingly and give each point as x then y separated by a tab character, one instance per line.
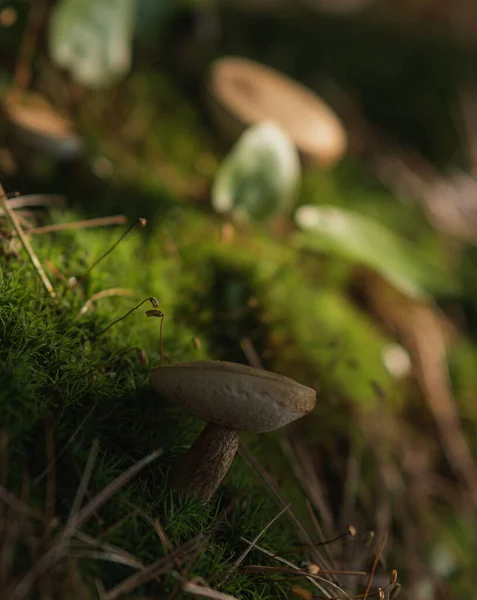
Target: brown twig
251	353
85	224
160	566
242	557
59	547
300	572
313	581
206	592
30	200
26	244
375	564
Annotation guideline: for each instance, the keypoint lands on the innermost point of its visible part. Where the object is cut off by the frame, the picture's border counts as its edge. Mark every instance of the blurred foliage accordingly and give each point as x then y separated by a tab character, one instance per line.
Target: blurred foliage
360	239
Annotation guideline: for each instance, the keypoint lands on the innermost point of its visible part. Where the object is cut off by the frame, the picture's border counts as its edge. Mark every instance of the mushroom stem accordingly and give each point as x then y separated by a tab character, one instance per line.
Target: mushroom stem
207	461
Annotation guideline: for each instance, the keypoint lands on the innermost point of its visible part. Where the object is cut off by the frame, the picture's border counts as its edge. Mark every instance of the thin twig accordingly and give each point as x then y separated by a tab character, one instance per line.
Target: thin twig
85	224
50	465
316	544
109	549
293	566
206	592
264	569
251	353
255	465
242	557
54	200
49	559
26	244
18	505
160	566
83	483
375	564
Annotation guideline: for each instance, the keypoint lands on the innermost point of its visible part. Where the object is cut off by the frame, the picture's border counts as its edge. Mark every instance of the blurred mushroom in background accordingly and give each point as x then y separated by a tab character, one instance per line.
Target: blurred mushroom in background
35	123
241	92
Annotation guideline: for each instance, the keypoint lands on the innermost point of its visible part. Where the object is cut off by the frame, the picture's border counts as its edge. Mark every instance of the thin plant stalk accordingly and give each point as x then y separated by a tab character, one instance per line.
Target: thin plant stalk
26	244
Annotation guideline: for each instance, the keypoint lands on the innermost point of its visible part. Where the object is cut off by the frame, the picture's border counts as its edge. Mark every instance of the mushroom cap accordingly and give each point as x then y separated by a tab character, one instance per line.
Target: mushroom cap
39	125
247	92
234	395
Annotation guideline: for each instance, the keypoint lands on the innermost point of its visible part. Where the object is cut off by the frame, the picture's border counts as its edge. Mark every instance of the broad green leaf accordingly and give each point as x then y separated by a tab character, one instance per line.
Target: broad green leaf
360	239
260	176
92	39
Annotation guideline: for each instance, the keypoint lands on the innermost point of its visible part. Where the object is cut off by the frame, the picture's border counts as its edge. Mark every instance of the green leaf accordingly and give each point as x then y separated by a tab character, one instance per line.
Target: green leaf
260	176
92	39
360	239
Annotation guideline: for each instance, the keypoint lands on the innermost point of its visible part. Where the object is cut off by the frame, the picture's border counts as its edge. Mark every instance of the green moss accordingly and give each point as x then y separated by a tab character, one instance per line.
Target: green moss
56	374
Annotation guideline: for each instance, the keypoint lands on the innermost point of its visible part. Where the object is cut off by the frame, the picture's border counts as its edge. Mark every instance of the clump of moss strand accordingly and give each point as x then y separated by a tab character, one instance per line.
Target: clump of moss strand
86	447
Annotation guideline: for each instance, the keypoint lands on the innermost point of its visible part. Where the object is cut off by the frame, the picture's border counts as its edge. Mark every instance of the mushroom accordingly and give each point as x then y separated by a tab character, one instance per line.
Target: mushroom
242	92
37	124
231	397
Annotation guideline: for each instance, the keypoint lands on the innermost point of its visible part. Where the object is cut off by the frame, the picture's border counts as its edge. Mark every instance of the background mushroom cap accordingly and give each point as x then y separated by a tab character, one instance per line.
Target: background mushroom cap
251	93
39	125
234	395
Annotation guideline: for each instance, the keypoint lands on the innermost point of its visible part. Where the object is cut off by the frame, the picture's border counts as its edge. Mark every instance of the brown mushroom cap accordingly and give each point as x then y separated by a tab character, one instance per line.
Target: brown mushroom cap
234	395
38	124
249	93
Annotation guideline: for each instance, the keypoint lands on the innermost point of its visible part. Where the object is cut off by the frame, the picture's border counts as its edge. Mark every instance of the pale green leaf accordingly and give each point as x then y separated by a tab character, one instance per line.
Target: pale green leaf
92	39
360	239
260	176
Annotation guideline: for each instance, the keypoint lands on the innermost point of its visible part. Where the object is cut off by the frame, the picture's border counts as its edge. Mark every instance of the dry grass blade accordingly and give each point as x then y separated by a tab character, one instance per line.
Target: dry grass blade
85	224
206	592
305	472
155	524
242	557
373	568
114	552
296	568
106	556
265	477
51	463
329	561
83	484
104	294
14	502
26	244
152	571
103	496
51	200
251	353
59	547
299	572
